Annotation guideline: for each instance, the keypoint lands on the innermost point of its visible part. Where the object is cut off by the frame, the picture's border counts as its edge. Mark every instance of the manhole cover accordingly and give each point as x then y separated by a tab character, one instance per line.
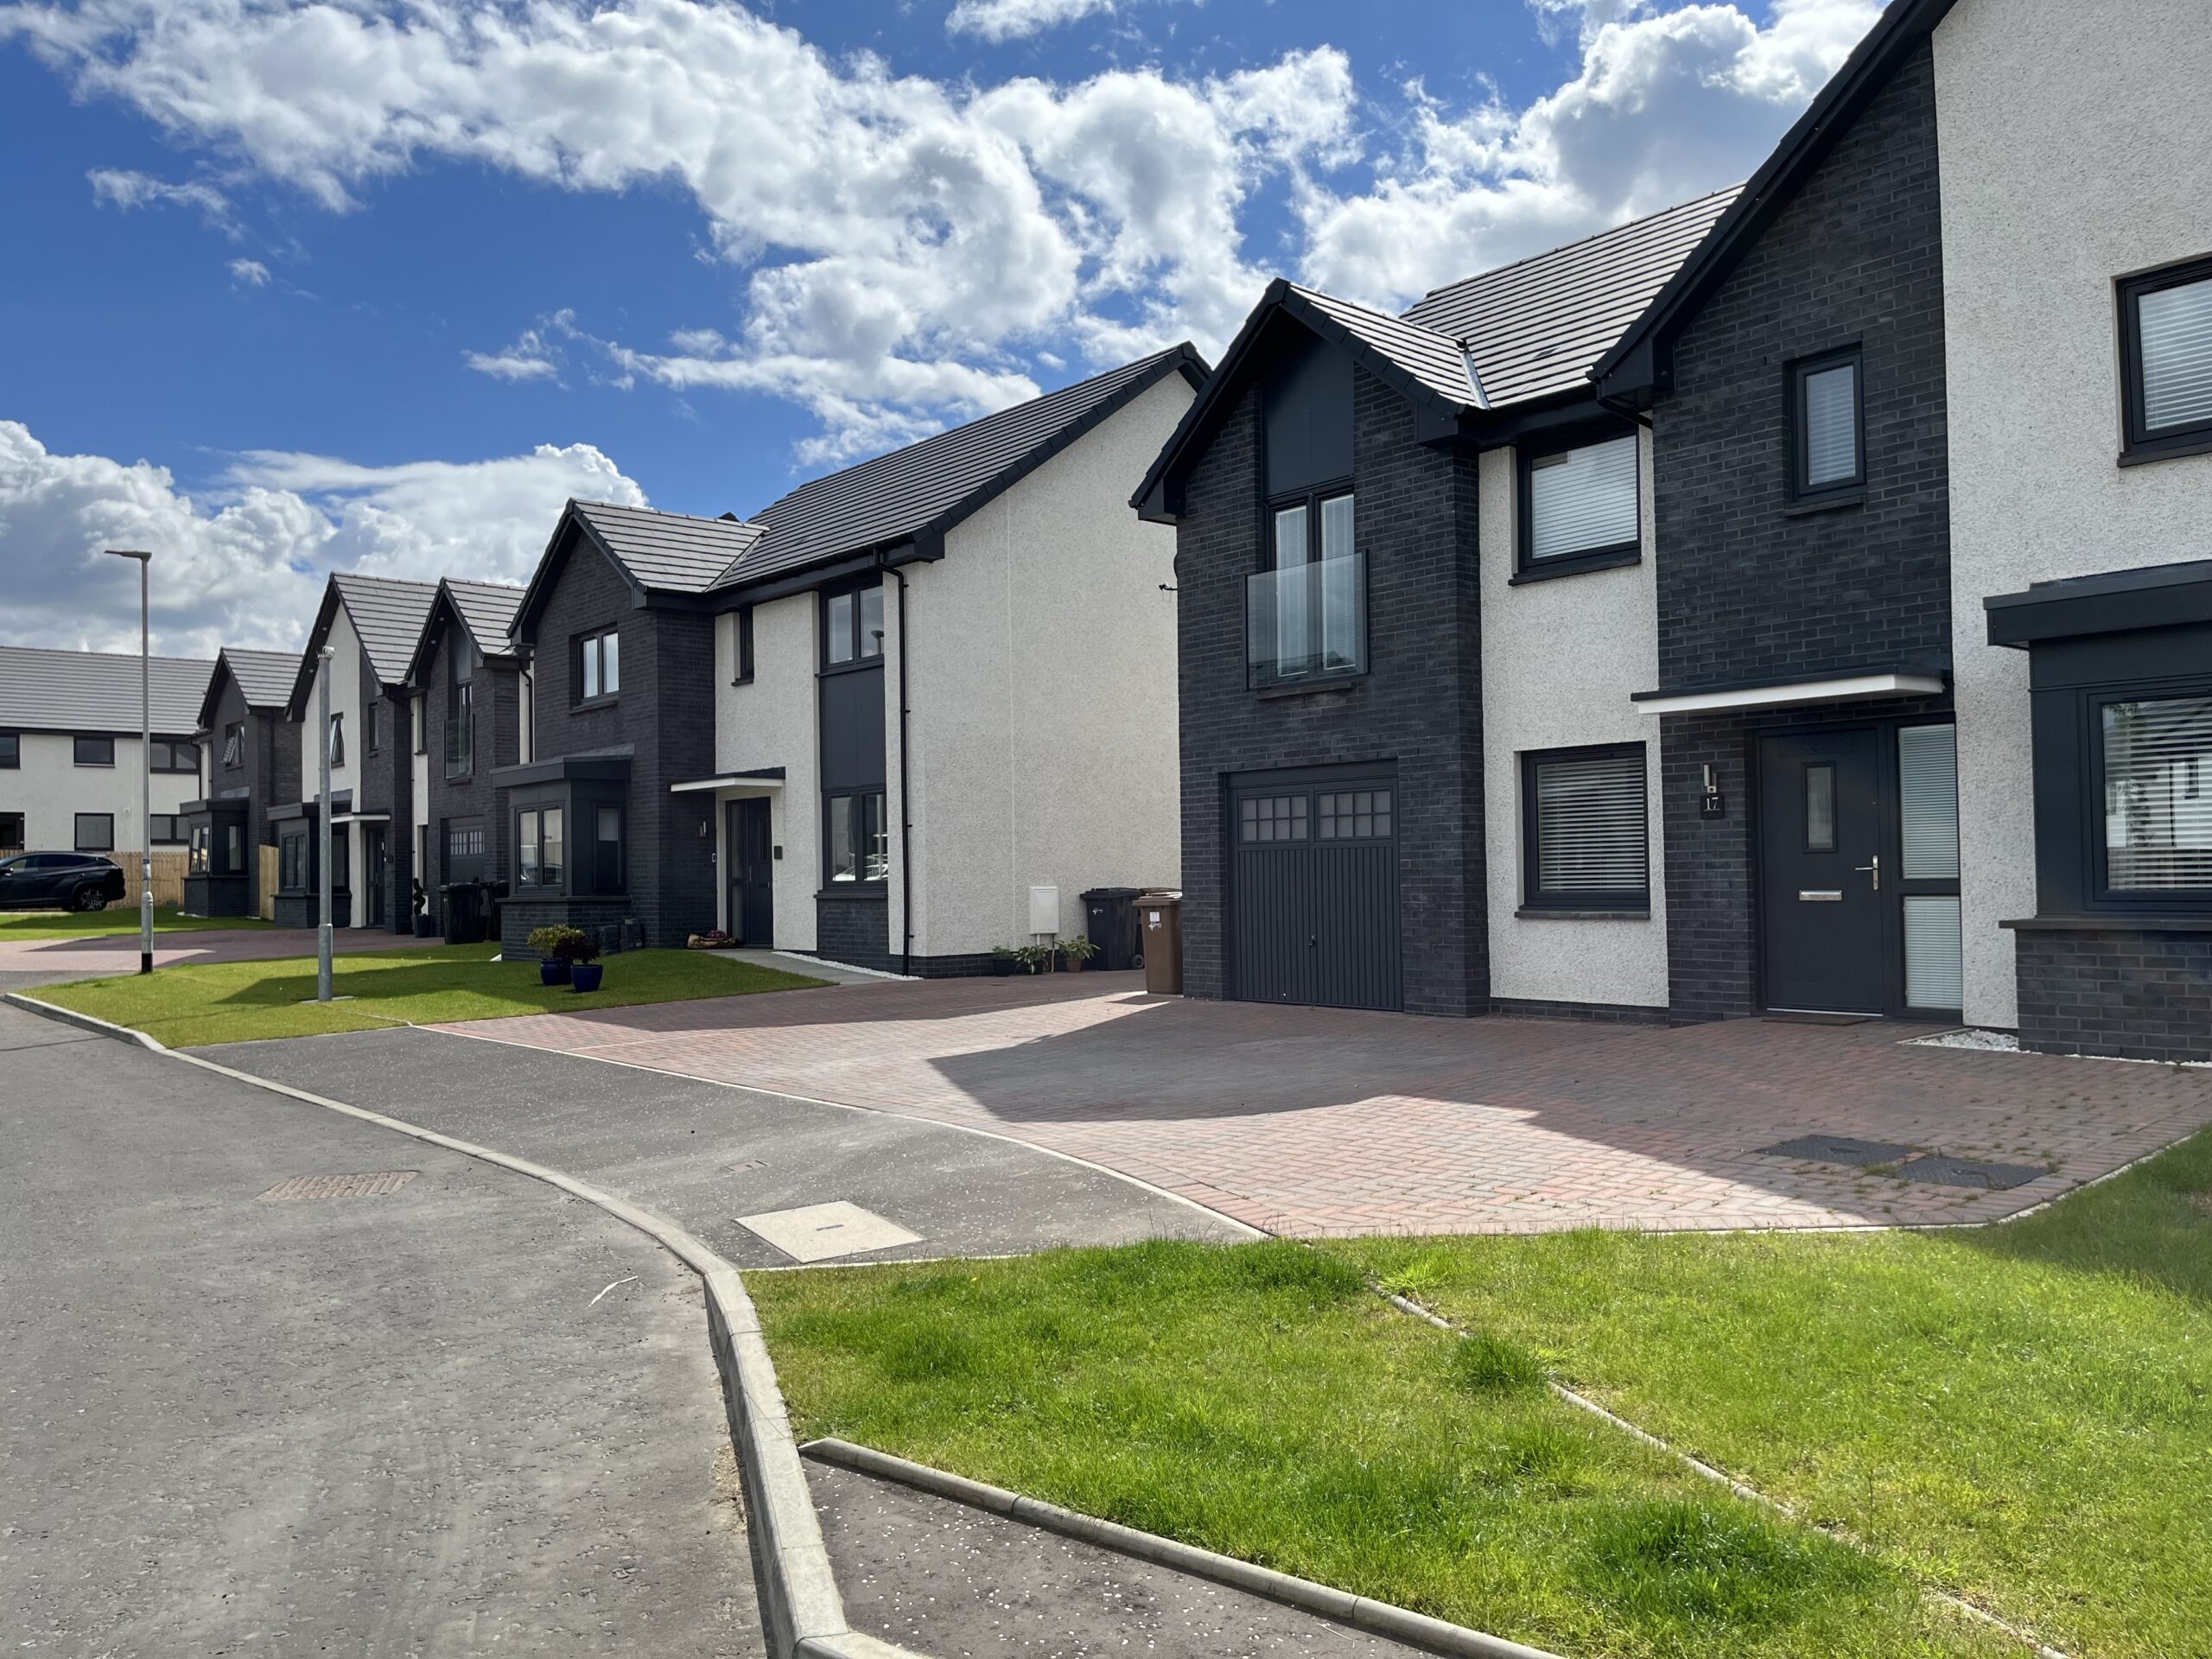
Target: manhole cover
1839	1149
1965	1172
819	1232
372	1184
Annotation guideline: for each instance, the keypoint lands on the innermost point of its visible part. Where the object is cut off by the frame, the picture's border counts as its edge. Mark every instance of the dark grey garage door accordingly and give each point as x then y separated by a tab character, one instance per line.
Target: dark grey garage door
1313	889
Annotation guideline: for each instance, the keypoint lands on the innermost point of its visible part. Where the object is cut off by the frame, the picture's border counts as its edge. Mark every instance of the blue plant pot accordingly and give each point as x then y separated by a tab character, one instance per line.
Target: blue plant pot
585	975
553	973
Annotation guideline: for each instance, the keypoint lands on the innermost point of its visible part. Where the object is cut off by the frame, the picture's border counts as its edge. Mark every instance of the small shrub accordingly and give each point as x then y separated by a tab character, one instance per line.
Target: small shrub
562	944
1485	1364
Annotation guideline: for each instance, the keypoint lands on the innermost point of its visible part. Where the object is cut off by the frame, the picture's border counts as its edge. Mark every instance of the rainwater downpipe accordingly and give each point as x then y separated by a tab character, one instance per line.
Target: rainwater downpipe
905	797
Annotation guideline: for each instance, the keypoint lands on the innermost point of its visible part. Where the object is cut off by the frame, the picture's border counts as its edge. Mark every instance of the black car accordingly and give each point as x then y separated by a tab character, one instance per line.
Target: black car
59	881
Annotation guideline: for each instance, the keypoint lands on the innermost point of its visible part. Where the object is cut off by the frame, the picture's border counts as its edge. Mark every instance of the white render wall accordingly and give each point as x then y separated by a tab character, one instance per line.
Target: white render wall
49	789
1042	682
1560	660
2075	149
770	722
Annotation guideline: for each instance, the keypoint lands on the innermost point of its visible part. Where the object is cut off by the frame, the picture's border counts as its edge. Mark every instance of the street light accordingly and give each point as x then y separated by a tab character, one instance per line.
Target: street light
322	829
145	762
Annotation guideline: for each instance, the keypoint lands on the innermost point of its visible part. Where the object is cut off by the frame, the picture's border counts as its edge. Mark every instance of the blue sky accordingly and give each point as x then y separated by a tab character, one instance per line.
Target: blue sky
381	290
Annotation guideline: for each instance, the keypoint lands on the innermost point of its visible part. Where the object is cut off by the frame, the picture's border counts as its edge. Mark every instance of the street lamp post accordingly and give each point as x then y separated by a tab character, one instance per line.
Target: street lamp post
145	760
322	829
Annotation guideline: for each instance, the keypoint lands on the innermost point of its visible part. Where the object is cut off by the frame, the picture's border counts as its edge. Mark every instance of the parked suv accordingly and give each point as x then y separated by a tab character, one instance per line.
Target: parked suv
59	881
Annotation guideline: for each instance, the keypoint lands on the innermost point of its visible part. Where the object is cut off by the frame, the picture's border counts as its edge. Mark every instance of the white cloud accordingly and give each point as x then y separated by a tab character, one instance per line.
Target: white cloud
244	564
1666	103
1008	20
535	355
250	273
122	187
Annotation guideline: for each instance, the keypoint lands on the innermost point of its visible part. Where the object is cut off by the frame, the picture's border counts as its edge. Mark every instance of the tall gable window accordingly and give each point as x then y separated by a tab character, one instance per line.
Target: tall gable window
1827	458
599	665
234	746
338	740
1580	509
1306	606
460	715
2166	361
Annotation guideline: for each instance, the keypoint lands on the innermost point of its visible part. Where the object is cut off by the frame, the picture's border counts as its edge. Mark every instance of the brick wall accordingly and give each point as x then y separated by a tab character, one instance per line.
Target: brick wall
854	930
1420	703
2129	992
497	709
1750	589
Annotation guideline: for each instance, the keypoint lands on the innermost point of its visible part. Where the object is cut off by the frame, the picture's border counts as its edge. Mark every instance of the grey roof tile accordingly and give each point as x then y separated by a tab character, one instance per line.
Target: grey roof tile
388	615
670	552
265	676
1536	327
1431	357
98	691
486	607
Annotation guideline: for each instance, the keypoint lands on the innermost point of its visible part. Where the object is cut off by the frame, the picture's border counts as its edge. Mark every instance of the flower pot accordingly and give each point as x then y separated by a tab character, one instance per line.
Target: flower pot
553	973
585	975
1003	967
425	928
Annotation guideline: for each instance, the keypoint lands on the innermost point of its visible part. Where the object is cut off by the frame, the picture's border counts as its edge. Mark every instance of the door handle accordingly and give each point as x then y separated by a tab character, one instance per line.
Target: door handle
1876	867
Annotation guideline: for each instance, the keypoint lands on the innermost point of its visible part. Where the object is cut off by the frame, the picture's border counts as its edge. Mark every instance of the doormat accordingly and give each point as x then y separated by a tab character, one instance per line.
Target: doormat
1838	1149
1965	1172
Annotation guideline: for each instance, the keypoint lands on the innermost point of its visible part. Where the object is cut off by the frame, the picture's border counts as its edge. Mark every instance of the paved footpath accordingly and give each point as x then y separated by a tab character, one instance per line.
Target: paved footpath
25	963
1327	1121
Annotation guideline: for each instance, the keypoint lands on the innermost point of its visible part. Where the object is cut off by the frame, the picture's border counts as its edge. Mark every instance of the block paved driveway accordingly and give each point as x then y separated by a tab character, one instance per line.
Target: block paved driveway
1322	1121
25	963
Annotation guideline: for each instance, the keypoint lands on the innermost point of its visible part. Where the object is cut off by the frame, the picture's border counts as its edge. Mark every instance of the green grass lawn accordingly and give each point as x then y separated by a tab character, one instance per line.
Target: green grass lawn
116	919
243	1002
1259	1400
2023	1413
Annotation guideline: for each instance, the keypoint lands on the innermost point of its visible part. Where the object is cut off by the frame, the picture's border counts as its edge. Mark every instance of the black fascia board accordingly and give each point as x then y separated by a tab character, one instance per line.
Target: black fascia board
212	698
608	764
1640	366
559	548
2122	602
325	614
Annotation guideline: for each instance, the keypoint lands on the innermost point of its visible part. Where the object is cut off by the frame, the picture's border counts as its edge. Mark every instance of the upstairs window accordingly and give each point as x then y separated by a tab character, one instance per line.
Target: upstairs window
11	750
1828	461
95	752
852	626
167	756
376	727
1584	831
741	643
1306	614
338	740
2166	361
234	746
460	728
599	665
1581	509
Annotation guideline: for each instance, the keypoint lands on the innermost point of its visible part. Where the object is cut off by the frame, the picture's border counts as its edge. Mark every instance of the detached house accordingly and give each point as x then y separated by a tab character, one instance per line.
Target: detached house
252	753
470	700
904	716
370	626
70	728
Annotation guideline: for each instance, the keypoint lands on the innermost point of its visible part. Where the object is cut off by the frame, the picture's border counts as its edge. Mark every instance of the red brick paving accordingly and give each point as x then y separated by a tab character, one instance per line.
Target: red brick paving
1314	1122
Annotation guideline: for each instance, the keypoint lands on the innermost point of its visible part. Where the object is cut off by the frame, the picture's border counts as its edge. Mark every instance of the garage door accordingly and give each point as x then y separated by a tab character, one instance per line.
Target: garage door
1313	889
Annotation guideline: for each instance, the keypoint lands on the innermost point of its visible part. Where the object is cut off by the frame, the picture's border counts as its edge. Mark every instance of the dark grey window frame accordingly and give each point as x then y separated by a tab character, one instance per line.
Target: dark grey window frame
2100	895
77	832
294	860
1311	497
234	746
740	629
460	759
11	750
173	822
336	739
2138	444
16	818
594	639
1527	567
1630	904
830	883
77	751
375	740
861	661
164	755
537	809
1846	491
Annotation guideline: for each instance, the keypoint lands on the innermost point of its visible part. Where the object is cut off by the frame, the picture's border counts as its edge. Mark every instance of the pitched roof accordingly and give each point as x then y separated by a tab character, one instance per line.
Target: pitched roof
667	552
1535	327
1639	362
265	679
1431	358
486	608
98	691
930	486
388	615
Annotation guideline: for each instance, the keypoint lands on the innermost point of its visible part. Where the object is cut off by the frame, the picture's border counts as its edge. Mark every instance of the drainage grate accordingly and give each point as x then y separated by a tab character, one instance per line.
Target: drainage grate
1965	1172
1838	1149
371	1184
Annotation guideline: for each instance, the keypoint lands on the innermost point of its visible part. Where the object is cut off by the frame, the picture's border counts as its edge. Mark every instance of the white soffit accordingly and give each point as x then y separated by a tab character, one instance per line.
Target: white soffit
727	780
1856	687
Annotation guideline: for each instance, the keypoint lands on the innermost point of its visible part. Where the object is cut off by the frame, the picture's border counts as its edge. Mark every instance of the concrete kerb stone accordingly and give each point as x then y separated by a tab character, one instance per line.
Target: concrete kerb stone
801	1612
1377	1617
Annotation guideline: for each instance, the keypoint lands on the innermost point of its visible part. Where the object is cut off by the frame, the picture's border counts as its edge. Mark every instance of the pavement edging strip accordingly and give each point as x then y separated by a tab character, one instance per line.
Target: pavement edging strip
1376	1618
801	1611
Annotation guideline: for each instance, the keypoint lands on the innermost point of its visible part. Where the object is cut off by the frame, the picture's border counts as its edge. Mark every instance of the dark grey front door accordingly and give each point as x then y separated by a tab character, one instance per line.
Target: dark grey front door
1314	898
751	885
1822	891
377	847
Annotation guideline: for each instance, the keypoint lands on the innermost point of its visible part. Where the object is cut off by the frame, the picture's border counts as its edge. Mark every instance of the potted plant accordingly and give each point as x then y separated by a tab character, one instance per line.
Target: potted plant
1077	950
557	949
1036	958
584	966
1004	959
423	928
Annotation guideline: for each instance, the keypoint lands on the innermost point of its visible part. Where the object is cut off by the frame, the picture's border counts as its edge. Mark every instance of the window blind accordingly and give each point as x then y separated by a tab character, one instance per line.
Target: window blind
2158	794
1832	425
2177	330
1928	795
1583	499
1935	977
1591	823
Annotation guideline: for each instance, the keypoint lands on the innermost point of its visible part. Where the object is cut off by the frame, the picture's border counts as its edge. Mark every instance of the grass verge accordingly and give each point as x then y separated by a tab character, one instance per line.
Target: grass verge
101	924
2023	1413
1259	1400
244	1001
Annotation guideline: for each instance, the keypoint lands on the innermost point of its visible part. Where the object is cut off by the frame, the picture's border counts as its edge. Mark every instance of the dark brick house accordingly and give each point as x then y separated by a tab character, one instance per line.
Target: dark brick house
370	626
251	765
466	682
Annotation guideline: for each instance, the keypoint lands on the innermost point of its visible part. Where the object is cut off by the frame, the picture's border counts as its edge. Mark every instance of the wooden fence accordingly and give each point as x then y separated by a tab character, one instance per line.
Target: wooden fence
168	875
267	886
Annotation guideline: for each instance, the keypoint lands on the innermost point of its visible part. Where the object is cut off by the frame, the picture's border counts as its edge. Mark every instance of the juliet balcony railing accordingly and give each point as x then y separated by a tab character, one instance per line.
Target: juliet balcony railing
1306	622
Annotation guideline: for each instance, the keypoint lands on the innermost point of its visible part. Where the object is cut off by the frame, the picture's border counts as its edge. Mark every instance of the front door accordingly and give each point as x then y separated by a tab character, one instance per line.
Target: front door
752	886
376	849
1821	813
